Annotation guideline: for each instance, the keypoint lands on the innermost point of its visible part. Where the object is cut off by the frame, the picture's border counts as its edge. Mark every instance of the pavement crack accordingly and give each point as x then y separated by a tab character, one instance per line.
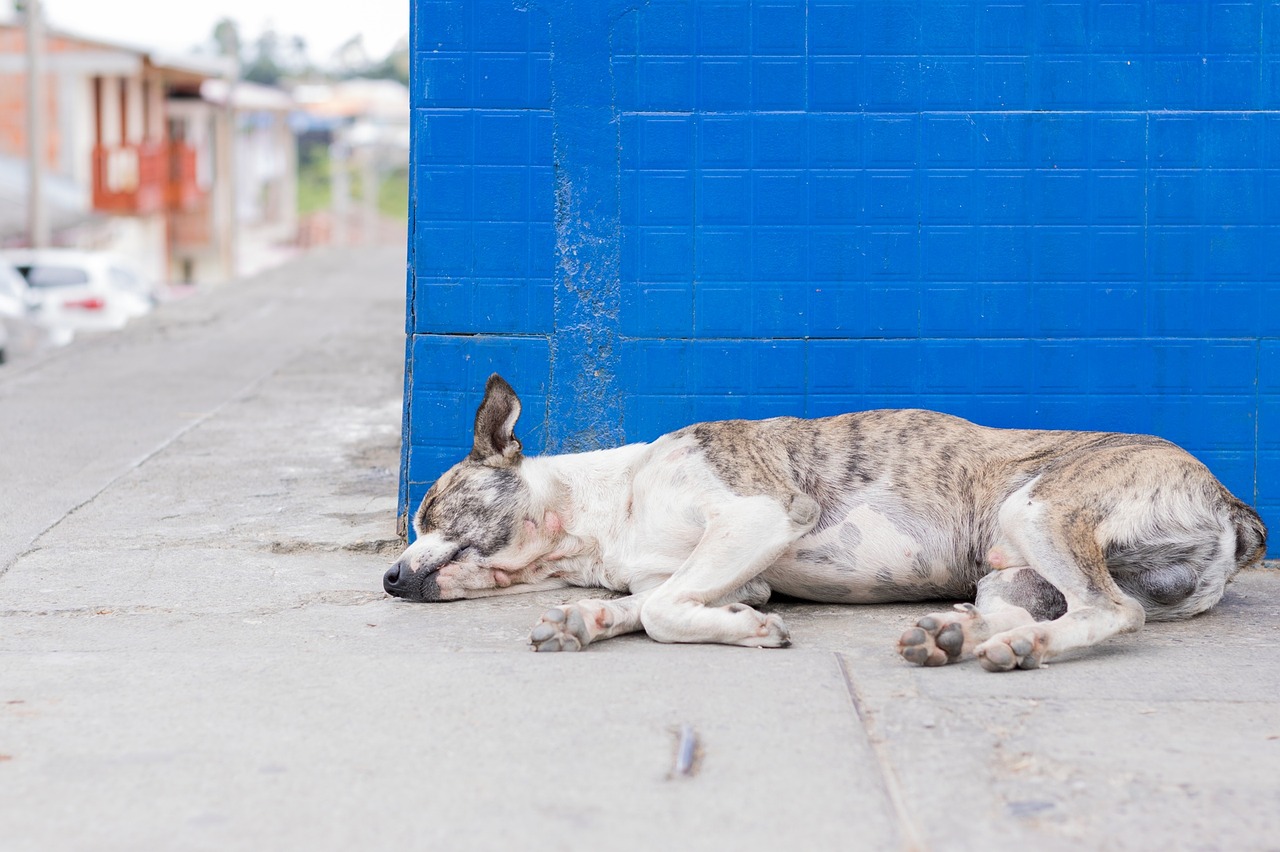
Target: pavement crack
246	389
912	839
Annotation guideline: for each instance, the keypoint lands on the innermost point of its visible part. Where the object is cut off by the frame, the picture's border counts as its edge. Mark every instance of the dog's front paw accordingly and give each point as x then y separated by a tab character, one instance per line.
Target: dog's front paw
560	629
1020	648
770	632
939	638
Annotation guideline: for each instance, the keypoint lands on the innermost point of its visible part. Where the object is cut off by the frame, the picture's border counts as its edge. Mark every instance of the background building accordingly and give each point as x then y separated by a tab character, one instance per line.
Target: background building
138	149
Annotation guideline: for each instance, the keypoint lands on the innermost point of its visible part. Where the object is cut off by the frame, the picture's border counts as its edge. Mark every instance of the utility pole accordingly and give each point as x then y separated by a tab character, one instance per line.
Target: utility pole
339	189
369	193
227	166
37	213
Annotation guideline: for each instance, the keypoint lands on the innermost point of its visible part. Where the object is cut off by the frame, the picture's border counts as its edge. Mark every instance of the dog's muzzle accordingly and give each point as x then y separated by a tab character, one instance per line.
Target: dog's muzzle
403	582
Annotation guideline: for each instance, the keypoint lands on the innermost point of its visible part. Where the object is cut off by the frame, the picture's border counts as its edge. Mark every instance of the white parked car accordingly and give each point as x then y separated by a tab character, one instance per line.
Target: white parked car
13	304
70	290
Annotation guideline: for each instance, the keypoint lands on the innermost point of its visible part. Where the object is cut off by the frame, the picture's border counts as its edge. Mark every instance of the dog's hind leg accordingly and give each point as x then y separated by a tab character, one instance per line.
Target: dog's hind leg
702	600
574	626
1060	543
1006	599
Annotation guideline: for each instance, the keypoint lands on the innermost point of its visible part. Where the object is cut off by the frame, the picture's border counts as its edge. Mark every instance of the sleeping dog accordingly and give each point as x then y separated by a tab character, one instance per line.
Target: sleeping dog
1061	539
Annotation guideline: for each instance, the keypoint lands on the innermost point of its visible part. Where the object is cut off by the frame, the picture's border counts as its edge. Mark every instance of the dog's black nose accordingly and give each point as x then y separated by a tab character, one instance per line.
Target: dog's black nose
403	582
391	581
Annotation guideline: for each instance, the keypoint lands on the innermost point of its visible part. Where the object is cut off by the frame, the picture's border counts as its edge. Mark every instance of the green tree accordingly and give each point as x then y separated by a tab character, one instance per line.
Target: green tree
226	35
265	66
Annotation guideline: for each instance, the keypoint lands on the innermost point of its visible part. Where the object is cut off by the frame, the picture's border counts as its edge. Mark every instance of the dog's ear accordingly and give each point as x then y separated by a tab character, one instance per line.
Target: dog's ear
495	441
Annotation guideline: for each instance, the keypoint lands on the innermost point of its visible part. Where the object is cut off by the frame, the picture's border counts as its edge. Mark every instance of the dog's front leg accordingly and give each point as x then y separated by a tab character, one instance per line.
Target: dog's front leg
700	601
574	626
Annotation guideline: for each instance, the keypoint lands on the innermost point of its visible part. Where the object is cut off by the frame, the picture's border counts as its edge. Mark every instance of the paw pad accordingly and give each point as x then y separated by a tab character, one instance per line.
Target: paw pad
558	630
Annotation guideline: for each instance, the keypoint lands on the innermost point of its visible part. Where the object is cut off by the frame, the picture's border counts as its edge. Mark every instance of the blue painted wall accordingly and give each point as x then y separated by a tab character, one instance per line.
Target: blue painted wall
1057	215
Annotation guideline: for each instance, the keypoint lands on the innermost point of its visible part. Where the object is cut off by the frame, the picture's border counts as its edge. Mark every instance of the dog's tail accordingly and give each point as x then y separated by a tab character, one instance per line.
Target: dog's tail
1251	534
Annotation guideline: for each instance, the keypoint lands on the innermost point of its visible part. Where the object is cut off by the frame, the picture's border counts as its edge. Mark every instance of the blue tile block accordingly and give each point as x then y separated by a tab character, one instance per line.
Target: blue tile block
1003	256
835	29
1004	83
719	368
1060	253
441	26
948	84
780	367
498	26
779	198
1118	27
442	138
1231	141
1119	141
1119	198
1062	141
666	84
442	249
779	253
501	193
948	140
666	198
724	84
666	254
724	198
501	248
892	254
1062	28
891	26
443	195
1177	27
501	80
440	80
724	142
1004	28
666	28
835	197
723	29
1062	84
834	84
948	28
1117	255
778	84
891	197
891	84
501	137
949	252
779	310
778	28
1005	141
657	310
1175	84
665	142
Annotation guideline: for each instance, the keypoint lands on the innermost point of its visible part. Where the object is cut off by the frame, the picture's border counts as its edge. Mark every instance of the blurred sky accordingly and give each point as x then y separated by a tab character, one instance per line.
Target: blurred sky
178	25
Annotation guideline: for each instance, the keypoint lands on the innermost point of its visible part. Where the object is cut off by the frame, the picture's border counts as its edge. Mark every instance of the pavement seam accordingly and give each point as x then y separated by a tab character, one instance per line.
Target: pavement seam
164	445
912	839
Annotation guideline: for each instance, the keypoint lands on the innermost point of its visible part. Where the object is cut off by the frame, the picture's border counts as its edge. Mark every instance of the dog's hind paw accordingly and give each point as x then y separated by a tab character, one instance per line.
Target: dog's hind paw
1020	648
939	638
560	629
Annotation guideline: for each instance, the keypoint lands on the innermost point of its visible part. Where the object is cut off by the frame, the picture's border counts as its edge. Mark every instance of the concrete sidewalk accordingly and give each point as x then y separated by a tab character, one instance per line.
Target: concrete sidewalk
195	652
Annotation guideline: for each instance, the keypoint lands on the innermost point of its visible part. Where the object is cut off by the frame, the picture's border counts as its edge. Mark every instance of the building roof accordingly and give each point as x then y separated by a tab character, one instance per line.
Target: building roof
247	96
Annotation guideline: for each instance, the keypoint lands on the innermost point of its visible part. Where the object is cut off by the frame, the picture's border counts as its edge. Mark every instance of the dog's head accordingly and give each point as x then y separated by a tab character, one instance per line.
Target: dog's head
478	530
